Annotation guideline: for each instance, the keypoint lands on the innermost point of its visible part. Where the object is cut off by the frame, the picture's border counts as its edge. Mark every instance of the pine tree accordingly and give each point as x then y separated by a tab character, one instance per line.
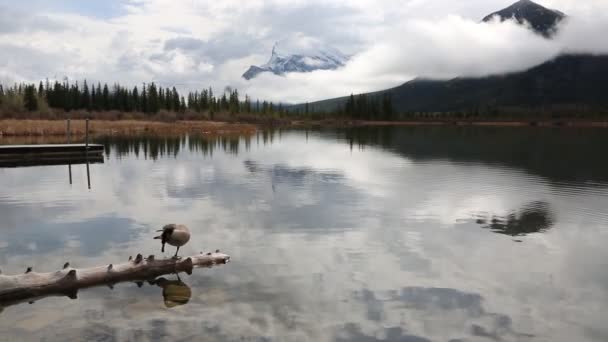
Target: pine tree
212	108
161	98
65	92
191	103
106	97
29	98
152	98
135	100
98	105
247	104
234	102
349	107
143	100
175	98
182	105
224	102
387	107
75	96
86	97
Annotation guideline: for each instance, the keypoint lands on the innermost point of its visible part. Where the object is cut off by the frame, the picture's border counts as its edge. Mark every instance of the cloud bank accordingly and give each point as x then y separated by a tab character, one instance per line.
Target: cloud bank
194	45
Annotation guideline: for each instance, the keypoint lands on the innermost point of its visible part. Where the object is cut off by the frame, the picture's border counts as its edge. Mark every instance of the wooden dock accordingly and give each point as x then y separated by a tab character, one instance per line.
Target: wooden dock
53	149
56	154
49	161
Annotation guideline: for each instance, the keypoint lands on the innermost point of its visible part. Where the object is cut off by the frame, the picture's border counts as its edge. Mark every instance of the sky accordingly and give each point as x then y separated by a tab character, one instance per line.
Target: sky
199	44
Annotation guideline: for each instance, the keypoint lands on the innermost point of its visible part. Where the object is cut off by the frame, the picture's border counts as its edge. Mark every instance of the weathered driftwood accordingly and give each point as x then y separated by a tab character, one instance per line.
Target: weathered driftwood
31	285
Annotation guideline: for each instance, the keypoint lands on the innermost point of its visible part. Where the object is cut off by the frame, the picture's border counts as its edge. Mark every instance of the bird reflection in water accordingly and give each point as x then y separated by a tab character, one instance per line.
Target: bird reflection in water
535	217
175	292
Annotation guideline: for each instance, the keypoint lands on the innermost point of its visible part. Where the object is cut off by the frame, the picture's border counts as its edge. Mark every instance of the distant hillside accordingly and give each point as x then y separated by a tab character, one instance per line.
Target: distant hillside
569	81
542	20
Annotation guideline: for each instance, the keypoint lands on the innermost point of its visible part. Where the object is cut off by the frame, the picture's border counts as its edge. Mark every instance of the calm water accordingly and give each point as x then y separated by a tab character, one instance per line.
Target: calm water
399	234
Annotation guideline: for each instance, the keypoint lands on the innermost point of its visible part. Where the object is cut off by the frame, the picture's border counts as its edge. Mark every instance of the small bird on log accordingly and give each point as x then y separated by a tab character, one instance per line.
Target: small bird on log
174	234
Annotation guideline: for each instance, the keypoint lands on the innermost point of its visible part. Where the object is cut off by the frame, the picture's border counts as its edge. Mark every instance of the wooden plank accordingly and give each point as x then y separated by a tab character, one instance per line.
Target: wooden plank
51	149
11	160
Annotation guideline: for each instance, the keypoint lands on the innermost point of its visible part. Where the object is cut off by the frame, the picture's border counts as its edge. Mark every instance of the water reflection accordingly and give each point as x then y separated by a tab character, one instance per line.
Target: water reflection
175	292
535	217
428	304
347	235
155	147
543	151
280	173
352	332
560	154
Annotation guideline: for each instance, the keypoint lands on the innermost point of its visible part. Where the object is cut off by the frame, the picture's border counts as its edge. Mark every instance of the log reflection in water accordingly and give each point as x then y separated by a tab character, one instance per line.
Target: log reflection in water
32	286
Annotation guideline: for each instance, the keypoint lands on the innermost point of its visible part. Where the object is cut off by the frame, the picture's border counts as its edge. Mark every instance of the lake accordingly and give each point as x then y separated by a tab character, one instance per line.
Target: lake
363	234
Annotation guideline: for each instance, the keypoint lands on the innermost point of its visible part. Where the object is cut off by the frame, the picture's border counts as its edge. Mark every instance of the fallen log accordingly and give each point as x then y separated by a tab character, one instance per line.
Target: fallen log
31	285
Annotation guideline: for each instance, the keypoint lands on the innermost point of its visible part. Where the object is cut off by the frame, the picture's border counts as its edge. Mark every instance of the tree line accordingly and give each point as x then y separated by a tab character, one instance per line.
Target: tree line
366	107
357	107
149	99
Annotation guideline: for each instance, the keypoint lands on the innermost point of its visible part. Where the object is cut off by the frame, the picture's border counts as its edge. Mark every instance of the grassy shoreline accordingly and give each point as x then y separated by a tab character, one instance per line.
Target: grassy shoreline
57	128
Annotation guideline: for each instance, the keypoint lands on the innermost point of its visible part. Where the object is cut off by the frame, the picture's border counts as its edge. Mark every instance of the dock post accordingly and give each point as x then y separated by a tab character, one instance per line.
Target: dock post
87	135
87	153
88	176
68	132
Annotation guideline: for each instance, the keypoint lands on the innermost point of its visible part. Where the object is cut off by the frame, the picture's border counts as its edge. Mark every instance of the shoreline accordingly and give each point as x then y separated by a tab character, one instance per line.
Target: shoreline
57	128
483	123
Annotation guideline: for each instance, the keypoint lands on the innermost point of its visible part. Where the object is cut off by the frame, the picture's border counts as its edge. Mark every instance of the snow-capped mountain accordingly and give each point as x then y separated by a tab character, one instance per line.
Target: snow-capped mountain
542	20
286	59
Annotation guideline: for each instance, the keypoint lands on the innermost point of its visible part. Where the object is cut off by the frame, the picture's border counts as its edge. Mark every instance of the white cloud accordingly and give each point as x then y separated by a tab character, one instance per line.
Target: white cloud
200	44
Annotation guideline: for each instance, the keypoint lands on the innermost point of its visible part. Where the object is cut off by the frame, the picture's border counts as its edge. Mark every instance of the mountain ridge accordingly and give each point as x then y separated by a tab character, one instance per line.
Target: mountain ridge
280	63
565	82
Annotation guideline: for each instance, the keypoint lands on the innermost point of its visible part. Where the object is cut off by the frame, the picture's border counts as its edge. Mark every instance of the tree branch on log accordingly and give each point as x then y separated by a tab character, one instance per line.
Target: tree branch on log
31	285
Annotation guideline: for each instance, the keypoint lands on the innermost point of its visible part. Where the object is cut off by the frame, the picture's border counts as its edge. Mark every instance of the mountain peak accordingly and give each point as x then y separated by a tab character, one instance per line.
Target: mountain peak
543	21
274	48
297	56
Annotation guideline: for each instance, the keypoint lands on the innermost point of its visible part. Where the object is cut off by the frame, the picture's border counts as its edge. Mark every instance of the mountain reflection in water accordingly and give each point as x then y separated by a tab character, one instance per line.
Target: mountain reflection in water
362	234
547	152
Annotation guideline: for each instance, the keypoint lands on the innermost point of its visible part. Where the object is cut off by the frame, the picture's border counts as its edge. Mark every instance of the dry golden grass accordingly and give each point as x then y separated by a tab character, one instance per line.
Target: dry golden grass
49	128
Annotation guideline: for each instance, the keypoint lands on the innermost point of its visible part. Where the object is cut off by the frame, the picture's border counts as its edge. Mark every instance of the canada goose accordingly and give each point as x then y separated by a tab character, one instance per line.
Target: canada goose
174	234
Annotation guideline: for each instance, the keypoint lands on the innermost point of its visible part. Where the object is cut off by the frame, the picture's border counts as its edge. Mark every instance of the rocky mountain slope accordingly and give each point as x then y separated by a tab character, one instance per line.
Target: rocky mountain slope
283	61
541	19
